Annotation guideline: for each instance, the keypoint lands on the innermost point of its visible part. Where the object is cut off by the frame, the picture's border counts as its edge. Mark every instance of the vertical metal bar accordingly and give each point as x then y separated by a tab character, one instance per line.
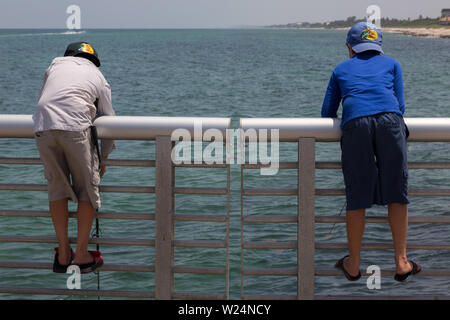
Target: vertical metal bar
242	231
305	236
172	253
227	277
164	218
97	235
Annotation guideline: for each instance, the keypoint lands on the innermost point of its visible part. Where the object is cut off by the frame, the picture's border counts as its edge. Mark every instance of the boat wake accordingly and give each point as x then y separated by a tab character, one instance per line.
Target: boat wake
69	32
74	32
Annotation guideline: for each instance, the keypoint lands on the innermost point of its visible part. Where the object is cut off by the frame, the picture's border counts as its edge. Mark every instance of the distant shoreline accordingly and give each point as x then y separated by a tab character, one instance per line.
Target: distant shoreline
418	32
421	32
431	32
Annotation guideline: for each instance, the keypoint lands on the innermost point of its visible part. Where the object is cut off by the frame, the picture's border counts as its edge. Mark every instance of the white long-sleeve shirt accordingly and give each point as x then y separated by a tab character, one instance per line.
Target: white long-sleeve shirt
67	99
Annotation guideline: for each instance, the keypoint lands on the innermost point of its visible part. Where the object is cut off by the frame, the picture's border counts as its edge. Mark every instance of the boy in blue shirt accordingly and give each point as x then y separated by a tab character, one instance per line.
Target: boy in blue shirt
373	143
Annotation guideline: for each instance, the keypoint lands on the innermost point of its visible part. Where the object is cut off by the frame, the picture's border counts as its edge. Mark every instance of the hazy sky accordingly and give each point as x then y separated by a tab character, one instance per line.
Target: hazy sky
201	13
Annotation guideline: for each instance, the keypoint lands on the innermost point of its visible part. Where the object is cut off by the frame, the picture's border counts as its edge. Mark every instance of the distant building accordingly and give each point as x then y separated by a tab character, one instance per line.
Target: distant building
445	16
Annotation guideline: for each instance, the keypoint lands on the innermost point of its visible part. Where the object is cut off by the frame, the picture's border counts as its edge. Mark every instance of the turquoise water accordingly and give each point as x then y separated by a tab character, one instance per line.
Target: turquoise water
227	73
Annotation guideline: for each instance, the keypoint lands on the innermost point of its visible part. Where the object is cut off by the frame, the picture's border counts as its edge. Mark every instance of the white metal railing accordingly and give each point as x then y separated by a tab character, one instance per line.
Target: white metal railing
165	215
328	130
304	131
121	127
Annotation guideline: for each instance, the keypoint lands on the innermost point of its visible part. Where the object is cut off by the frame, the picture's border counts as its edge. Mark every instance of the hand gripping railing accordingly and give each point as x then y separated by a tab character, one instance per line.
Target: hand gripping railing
165	216
306	132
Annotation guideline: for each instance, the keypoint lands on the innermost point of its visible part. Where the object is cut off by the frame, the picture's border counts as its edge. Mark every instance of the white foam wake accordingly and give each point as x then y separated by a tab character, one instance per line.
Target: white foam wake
69	32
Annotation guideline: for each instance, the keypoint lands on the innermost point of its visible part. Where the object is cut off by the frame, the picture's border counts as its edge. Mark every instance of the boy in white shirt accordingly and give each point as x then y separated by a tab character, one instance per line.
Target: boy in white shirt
73	94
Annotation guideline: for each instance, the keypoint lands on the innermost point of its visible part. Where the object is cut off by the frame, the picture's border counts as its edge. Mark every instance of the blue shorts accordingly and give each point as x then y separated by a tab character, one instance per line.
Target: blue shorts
374	161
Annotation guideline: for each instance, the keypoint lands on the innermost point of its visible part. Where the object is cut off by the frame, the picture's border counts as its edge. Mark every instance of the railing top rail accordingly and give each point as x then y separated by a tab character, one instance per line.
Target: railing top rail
124	127
290	129
328	129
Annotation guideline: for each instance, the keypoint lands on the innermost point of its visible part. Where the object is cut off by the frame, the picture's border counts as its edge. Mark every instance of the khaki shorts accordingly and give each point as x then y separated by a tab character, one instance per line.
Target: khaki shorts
70	165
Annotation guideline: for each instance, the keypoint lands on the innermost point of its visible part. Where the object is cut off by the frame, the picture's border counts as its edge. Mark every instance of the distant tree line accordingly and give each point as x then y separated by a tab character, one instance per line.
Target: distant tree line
420	22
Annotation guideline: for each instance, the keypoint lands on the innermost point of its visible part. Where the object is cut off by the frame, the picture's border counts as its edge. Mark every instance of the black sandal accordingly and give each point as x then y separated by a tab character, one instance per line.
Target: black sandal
405	277
92	266
340	265
59	268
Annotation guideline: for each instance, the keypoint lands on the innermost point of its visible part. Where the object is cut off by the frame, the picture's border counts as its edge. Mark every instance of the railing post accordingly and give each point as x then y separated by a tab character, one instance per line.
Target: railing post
164	204
305	231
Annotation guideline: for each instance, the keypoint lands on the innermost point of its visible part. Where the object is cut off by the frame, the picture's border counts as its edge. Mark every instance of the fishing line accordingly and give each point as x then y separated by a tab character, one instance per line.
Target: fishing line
97	235
330	233
94	137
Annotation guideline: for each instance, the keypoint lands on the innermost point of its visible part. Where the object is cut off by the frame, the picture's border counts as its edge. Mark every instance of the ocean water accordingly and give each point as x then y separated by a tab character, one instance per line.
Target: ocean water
226	73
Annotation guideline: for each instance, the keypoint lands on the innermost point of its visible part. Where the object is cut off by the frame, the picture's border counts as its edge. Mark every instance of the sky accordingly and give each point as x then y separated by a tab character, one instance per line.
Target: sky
202	13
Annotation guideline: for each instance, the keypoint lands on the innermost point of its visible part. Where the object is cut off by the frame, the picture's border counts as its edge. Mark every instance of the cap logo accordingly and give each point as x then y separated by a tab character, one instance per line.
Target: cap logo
369	34
86	47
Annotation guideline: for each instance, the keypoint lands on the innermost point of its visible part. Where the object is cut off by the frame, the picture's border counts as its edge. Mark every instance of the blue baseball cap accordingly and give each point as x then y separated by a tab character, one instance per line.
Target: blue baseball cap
365	36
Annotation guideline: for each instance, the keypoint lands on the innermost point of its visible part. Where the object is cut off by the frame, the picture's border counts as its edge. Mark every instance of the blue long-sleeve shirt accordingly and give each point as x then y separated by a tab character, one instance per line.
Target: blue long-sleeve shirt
366	84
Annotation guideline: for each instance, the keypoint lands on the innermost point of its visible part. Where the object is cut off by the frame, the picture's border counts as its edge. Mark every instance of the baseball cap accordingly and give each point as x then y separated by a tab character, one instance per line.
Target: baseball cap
83	49
365	36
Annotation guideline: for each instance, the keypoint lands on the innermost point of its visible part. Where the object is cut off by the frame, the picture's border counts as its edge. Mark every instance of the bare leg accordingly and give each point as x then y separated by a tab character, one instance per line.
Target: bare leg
355	228
85	214
60	216
398	220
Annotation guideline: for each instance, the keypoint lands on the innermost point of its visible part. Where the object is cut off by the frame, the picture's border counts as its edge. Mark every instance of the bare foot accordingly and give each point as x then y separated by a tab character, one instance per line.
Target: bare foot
404	268
352	269
402	265
83	258
64	256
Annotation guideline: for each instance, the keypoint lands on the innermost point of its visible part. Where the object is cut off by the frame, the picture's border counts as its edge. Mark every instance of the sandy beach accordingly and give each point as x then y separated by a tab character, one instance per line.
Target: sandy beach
421	32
